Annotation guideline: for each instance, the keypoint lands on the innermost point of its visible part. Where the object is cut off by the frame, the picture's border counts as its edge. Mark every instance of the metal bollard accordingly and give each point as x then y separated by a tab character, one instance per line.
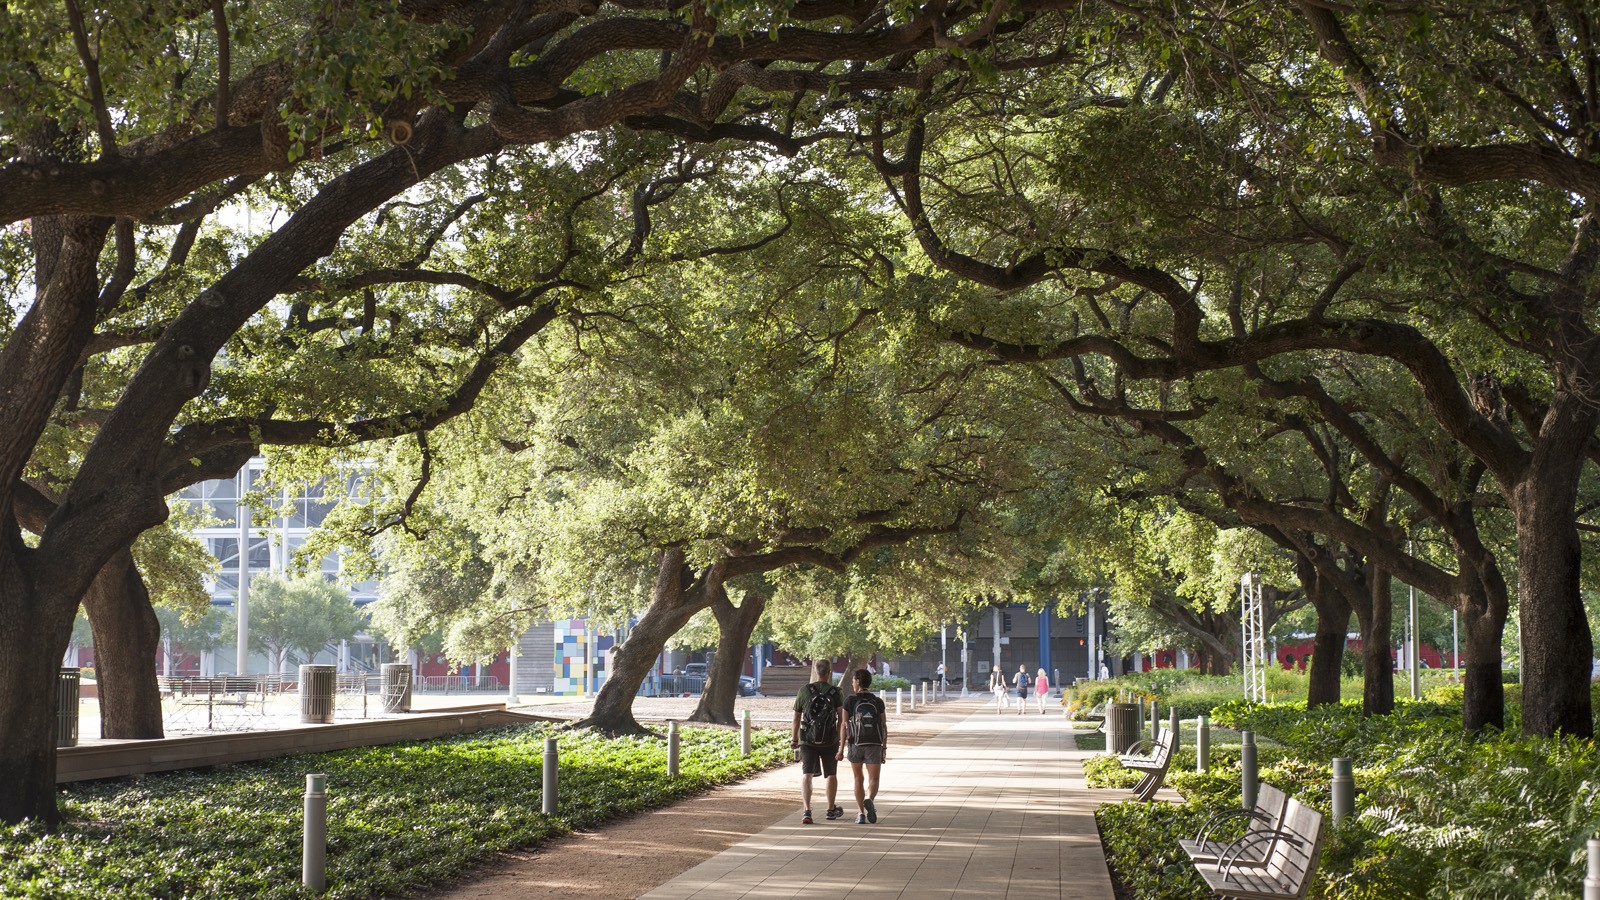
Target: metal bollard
1202	745
1591	881
913	697
672	748
744	734
1155	722
314	855
1344	789
1172	723
1247	769
897	701
551	765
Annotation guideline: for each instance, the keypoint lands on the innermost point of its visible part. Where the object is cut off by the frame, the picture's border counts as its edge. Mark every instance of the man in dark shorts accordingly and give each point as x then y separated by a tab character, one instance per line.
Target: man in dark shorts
817	734
867	743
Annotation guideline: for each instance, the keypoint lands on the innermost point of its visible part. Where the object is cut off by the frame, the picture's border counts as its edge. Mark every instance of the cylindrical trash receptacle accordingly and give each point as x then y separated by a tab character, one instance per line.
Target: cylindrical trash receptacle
67	707
396	680
1122	725
316	693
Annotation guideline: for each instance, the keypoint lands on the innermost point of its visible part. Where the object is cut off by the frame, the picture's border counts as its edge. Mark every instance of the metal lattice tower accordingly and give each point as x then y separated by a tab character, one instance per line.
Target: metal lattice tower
1253	647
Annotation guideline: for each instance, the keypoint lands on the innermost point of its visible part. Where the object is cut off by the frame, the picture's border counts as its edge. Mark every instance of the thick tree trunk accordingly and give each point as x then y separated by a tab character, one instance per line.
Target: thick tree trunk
735	624
1556	644
1484	695
35	637
1377	662
1333	623
1327	655
126	636
677	596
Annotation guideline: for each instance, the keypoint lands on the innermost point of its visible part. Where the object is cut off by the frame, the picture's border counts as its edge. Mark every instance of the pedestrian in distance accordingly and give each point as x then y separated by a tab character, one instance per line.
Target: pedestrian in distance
997	686
866	743
1021	681
817	735
1041	689
938	677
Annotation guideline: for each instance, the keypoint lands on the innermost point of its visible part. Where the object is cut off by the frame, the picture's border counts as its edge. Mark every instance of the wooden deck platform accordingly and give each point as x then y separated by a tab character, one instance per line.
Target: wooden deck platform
115	759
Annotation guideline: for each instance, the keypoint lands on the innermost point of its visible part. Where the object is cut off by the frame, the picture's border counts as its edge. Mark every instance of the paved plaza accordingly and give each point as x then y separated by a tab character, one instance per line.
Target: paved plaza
994	806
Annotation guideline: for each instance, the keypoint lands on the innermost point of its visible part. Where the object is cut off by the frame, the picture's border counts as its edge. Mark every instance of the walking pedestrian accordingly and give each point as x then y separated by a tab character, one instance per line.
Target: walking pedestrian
866	744
1041	688
1021	681
818	726
997	686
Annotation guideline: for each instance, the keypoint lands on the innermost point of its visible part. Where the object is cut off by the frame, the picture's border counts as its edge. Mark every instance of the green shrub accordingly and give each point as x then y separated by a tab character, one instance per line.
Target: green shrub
1440	813
1141	841
399	817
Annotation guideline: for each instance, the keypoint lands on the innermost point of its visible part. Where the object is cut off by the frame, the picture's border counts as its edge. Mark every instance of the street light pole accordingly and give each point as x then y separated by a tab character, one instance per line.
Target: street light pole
1411	651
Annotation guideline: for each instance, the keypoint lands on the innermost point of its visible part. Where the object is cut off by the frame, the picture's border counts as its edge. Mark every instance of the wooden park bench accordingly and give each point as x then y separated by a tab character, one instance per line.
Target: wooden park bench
1153	762
1266	817
1287	869
784	681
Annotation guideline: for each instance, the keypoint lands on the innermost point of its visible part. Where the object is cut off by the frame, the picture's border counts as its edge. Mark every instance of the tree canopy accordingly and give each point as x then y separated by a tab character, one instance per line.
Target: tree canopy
940	300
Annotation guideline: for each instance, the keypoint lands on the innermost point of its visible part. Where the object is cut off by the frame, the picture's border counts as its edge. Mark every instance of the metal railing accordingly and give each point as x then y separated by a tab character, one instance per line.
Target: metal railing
455	684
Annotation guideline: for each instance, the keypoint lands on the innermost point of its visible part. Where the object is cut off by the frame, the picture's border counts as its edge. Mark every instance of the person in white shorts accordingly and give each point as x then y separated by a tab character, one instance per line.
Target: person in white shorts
997	685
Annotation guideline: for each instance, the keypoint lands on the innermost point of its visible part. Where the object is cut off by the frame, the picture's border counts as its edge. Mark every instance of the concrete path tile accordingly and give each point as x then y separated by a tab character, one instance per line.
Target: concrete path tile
993	807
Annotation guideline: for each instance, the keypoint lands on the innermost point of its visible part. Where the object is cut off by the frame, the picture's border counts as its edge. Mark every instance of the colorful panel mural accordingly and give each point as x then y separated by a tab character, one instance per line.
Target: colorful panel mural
575	656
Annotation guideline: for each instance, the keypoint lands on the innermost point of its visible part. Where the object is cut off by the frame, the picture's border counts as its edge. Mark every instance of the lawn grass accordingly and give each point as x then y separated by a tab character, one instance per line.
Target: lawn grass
400	817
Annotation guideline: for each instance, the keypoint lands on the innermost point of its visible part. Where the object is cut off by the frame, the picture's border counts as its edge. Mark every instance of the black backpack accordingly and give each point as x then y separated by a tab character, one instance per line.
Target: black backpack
866	721
819	721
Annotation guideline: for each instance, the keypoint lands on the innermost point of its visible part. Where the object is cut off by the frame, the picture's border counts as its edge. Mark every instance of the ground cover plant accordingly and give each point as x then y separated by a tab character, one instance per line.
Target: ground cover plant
399	817
1440	813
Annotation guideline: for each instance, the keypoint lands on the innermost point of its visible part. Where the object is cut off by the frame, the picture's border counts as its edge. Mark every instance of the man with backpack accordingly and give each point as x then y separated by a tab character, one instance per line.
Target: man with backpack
818	735
868	743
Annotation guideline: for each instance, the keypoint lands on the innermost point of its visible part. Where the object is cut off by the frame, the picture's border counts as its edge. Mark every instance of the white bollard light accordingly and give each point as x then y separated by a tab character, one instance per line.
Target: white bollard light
744	734
1591	881
1247	769
1202	745
1344	789
897	701
314	854
672	748
551	767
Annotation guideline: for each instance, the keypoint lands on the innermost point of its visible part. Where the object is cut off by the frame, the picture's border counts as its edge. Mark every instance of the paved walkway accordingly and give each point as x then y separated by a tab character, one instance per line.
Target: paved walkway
993	807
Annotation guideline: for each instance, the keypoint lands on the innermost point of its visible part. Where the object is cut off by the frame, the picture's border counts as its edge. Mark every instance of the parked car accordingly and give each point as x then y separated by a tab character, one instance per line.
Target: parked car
694	676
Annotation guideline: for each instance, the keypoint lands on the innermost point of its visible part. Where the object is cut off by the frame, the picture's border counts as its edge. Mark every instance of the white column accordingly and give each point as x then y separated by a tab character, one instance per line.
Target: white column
999	621
512	655
966	670
241	606
1093	646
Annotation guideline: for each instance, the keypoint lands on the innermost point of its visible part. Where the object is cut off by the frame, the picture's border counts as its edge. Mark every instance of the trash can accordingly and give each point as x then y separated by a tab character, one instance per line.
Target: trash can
67	707
317	685
396	680
1122	726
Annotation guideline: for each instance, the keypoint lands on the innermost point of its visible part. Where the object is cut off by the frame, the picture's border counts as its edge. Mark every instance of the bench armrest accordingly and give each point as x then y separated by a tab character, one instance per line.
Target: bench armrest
1135	751
1226	816
1231	856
